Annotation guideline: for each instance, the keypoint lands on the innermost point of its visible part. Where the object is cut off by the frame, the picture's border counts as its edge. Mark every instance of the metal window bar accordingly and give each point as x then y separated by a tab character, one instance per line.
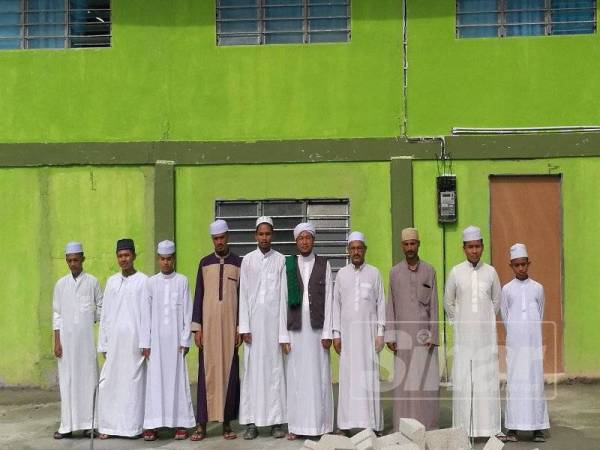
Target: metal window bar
94	28
548	22
331	239
259	36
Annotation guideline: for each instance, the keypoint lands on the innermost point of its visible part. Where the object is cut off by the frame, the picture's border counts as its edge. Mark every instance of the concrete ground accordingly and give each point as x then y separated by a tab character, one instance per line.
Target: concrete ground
29	417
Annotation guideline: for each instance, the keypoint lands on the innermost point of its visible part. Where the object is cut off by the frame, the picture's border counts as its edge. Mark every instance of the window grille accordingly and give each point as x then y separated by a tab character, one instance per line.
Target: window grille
257	22
54	24
331	218
503	18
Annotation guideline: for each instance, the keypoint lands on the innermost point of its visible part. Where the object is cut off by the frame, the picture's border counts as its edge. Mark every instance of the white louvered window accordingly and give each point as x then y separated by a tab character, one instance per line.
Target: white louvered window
257	22
331	218
505	18
54	24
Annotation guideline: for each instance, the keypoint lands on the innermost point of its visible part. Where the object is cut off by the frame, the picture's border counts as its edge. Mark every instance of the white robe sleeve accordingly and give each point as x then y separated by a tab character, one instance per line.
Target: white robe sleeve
56	309
505	305
542	301
496	292
337	310
284	336
244	307
104	331
328	319
97	301
185	338
146	315
380	306
450	297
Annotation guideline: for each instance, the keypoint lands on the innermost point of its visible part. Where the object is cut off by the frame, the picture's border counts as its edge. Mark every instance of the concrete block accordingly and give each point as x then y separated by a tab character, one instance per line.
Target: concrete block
447	439
365	434
335	442
310	444
493	443
405	446
391	439
367	444
413	430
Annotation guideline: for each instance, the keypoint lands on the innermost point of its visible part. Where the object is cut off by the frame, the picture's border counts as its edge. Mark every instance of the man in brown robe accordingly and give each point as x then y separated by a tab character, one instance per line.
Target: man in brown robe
214	323
412	334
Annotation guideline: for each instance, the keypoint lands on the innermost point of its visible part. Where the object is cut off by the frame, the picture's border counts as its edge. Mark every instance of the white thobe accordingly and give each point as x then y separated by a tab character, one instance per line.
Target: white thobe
262	284
308	371
471	301
76	305
358	318
165	326
522	310
123	376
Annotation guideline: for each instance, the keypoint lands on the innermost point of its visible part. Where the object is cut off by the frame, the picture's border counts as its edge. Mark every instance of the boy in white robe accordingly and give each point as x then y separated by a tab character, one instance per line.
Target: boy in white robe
76	306
522	308
123	376
165	338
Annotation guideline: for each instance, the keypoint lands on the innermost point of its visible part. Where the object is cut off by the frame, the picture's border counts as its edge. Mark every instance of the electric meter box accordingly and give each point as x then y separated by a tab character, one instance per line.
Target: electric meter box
446	197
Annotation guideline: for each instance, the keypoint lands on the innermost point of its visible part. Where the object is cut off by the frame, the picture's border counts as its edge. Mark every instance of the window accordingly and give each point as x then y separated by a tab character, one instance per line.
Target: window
502	18
242	22
331	218
54	23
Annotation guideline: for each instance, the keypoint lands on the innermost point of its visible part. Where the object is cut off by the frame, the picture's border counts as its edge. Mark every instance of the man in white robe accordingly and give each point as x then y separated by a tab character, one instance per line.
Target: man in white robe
123	376
471	301
76	306
262	285
165	338
305	334
522	308
358	337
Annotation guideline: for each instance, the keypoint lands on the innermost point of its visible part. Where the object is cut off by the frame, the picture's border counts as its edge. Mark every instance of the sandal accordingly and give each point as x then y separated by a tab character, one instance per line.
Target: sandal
150	435
229	435
181	434
58	435
291	436
103	436
198	435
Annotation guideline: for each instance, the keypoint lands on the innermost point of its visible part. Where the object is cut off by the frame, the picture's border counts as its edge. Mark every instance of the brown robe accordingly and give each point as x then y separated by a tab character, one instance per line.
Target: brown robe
412	320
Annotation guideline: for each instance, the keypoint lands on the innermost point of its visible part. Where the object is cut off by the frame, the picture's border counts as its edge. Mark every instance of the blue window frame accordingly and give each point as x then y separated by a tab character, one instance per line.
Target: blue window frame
505	18
258	22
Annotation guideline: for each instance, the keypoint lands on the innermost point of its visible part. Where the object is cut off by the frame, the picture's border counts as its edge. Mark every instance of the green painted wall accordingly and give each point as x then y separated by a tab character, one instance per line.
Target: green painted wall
493	82
41	210
581	214
199	187
165	79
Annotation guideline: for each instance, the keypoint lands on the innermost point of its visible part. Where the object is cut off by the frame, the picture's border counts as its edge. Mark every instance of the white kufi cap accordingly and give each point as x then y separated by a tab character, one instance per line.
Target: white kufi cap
518	251
165	248
471	233
73	247
219	226
264	219
304	226
356	236
408	234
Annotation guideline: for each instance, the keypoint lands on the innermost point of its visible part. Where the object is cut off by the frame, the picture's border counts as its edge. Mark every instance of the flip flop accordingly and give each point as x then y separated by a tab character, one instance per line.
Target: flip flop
229	435
197	435
150	435
181	434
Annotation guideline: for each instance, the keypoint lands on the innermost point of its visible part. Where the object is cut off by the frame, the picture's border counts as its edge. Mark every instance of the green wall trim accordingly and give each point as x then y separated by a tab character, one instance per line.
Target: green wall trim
526	146
164	202
401	190
206	153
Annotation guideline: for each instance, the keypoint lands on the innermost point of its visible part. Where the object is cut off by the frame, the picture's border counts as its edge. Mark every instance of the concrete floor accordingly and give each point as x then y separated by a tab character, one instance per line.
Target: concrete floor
28	418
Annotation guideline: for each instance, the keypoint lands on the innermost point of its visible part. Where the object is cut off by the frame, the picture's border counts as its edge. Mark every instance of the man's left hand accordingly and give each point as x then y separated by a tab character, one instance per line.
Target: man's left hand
184	350
326	343
379	341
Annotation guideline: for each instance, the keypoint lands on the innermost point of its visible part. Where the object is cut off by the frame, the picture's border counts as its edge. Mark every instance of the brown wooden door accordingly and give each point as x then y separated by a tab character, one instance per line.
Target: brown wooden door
527	209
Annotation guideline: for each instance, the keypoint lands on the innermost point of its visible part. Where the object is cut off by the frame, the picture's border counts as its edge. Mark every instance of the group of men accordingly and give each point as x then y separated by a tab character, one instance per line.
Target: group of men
287	312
